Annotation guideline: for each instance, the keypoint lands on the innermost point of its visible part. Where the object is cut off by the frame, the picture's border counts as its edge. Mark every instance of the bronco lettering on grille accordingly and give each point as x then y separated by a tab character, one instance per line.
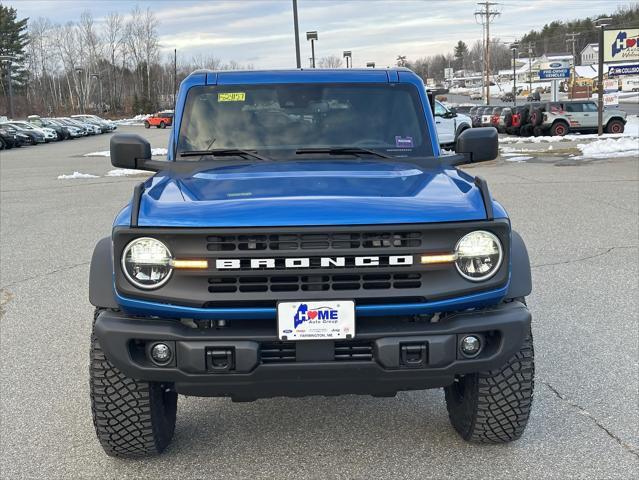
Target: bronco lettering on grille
308	262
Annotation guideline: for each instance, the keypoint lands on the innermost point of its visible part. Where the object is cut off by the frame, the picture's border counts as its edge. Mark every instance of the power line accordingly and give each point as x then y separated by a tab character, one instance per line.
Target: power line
486	16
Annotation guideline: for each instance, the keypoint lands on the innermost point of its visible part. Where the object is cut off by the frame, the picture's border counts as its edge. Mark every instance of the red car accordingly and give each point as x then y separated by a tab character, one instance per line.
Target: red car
159	120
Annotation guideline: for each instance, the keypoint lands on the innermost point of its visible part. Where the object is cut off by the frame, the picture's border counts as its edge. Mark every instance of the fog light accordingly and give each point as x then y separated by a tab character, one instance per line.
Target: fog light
161	353
470	345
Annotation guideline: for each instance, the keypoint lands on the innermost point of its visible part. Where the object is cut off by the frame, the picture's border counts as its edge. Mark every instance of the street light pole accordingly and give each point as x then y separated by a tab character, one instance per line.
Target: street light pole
8	59
601	23
297	35
312	36
99	77
348	55
79	71
514	49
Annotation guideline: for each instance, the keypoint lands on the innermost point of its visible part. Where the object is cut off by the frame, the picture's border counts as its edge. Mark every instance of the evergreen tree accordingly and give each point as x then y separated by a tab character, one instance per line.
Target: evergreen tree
461	53
13	41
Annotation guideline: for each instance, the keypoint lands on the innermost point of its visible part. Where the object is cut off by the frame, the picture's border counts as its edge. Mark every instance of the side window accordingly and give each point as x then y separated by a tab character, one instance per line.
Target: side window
440	110
590	107
574	107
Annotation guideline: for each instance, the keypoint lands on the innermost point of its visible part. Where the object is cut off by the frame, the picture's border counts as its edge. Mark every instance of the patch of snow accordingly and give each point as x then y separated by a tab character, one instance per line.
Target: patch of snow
137	120
104	153
610	147
107	153
75	175
518	159
123	172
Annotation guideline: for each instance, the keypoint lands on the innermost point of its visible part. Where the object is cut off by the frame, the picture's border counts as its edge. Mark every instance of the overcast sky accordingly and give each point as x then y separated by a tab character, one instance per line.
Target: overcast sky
260	32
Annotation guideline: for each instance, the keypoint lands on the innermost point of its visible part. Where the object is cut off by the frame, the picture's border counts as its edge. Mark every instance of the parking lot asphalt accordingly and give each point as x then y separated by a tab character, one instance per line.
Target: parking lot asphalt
581	226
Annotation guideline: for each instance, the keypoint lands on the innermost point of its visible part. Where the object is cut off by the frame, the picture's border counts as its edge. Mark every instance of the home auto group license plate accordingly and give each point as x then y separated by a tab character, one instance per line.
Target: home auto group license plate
317	320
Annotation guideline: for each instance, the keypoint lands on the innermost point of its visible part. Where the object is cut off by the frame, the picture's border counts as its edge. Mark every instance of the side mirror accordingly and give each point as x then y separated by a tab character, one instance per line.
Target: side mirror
129	150
478	144
452	112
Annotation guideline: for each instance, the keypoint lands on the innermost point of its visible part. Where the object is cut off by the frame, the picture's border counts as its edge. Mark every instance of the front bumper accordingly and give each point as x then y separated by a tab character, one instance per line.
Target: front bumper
388	355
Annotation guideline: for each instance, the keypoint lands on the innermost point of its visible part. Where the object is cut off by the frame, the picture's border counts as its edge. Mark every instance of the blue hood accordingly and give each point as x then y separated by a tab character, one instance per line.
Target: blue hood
305	193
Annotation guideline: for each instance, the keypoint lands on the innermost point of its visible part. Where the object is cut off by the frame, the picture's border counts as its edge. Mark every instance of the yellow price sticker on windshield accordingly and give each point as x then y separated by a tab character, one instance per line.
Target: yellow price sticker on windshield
231	97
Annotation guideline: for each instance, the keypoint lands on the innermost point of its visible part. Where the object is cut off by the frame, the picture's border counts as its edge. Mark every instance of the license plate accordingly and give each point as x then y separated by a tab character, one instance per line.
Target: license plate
316	320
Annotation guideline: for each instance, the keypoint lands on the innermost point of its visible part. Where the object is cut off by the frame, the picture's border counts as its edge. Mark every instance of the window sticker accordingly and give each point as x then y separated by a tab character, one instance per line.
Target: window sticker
231	97
403	142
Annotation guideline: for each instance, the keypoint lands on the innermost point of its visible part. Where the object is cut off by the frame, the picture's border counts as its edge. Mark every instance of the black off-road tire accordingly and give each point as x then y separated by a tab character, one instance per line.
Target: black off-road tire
162	125
494	406
132	418
147	124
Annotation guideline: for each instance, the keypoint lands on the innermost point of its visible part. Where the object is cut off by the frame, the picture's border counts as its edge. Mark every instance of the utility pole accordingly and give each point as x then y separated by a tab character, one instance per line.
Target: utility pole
601	24
487	15
573	39
514	48
174	75
531	49
297	35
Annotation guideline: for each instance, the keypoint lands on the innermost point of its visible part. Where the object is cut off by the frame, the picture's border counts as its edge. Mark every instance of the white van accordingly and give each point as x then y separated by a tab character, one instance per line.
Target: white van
630	84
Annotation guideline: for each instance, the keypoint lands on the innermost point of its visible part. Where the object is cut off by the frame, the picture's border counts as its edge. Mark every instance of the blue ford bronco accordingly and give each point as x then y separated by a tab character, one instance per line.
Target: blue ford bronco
305	236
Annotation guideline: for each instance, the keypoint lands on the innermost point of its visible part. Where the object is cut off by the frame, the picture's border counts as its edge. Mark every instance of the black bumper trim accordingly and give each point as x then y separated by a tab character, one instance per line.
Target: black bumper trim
504	328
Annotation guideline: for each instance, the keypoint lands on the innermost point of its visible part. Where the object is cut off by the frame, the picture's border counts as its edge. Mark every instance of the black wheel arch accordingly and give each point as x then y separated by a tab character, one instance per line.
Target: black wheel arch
520	275
101	288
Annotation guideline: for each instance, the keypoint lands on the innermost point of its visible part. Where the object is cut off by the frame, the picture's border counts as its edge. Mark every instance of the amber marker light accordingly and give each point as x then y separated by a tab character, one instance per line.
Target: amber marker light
445	258
190	264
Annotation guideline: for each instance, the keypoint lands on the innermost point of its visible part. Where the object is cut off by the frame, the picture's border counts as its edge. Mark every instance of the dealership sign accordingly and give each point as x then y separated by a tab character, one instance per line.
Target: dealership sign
624	70
555	73
621	45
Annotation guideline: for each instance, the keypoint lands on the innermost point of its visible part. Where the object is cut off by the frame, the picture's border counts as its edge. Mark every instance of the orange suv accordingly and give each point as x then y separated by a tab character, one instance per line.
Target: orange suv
159	120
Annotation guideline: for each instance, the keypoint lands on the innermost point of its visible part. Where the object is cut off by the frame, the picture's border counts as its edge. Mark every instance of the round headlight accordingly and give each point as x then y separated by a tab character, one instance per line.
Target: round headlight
479	255
146	262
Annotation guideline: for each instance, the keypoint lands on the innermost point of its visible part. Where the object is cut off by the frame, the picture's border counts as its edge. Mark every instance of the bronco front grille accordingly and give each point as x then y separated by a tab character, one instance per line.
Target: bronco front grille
313	241
313	283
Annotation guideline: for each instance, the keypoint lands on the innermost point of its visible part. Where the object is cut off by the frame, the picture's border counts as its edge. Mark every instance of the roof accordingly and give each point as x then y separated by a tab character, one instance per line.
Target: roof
306	75
594	46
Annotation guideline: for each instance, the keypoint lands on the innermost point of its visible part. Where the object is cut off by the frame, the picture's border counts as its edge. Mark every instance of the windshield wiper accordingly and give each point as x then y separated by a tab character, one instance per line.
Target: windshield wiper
357	151
224	152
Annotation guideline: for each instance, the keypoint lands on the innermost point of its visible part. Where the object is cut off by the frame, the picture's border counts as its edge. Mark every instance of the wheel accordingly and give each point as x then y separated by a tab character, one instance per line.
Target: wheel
146	124
2	144
162	125
536	117
558	129
526	130
615	126
132	418
494	406
538	131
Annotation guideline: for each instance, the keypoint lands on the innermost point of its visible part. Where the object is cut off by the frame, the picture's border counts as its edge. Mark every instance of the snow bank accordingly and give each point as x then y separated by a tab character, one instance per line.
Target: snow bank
123	172
610	147
75	175
137	120
106	153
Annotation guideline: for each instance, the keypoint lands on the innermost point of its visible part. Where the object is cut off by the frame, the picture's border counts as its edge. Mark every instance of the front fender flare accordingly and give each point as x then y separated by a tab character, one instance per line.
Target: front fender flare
101	290
520	276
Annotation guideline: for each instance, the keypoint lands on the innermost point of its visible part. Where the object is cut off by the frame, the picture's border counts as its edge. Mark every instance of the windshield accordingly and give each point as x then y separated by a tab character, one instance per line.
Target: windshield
386	118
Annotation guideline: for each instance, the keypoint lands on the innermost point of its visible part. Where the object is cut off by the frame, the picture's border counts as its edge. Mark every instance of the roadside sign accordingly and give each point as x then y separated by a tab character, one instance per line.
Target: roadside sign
623	70
621	45
610	99
611	85
554	73
555	65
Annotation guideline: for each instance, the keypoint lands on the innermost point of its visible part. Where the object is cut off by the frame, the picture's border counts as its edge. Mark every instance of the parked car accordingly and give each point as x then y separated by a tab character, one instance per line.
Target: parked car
7	139
90	128
20	138
391	271
449	123
73	131
35	135
560	118
508	97
61	132
476	95
67	122
105	126
486	116
159	120
48	134
494	117
516	119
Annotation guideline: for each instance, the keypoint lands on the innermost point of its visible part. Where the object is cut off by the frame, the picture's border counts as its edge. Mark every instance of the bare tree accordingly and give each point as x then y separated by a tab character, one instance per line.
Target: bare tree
332	61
